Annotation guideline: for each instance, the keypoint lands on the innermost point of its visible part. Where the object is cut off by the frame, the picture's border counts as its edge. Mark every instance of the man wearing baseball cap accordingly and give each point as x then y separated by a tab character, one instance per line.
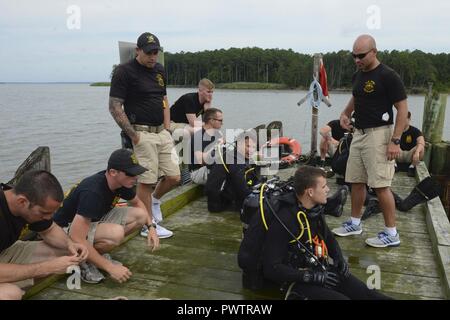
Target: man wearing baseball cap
90	215
138	103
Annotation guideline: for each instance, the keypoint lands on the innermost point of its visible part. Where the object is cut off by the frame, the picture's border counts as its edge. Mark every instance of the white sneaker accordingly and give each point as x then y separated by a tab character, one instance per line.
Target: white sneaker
156	210
162	232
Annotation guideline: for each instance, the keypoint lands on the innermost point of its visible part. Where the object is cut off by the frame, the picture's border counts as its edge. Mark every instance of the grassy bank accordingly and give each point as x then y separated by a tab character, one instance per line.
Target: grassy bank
251	85
100	84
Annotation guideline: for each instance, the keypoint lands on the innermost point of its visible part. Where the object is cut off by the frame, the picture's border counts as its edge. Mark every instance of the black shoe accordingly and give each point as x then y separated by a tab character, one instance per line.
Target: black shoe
411	172
335	204
372	208
396	168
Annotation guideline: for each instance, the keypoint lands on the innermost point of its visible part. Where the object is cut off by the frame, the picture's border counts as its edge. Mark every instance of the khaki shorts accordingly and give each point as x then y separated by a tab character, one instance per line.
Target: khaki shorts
156	152
117	215
367	162
21	252
406	156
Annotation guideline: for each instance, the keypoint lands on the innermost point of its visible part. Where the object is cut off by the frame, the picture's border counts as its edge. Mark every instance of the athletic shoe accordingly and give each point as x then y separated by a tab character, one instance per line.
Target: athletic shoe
348	229
90	273
162	232
383	240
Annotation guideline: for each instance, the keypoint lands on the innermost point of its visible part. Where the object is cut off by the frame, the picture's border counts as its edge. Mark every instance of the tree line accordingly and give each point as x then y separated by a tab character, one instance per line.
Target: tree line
293	69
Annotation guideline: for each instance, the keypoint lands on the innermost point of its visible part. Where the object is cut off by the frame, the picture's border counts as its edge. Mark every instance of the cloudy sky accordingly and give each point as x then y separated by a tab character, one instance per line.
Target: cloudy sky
76	40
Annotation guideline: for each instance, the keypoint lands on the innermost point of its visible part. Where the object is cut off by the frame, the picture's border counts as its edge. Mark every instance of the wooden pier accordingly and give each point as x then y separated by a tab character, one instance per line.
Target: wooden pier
200	260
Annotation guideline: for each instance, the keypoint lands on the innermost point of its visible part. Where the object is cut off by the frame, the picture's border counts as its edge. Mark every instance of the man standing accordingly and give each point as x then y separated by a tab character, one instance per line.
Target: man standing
189	106
376	144
139	86
32	201
90	213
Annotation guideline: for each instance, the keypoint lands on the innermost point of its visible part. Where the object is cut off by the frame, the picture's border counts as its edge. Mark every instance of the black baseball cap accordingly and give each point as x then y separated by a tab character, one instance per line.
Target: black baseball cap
148	42
125	160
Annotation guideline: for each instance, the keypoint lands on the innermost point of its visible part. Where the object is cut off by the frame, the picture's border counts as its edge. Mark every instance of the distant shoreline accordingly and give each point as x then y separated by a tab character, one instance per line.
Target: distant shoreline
266	86
226	86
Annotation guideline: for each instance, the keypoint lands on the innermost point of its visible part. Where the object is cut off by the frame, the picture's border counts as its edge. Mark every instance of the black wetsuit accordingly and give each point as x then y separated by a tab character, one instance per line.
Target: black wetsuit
284	261
227	188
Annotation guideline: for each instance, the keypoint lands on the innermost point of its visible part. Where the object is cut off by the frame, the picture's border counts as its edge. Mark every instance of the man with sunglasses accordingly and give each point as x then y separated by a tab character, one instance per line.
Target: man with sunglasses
138	103
376	139
203	145
91	216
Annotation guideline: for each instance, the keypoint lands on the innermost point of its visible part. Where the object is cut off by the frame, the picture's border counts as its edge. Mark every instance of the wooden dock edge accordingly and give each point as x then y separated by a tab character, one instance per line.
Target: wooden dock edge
439	230
171	202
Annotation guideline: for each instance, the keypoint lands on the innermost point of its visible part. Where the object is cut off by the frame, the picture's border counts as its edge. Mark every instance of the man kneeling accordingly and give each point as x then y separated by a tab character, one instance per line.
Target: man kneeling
90	213
32	201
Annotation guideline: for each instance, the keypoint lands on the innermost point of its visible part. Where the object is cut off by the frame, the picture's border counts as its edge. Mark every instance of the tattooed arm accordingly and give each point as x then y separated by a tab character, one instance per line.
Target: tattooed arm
116	110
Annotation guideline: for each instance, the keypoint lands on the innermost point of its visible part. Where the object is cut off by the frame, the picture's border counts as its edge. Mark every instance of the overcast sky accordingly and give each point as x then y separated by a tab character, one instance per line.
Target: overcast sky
76	40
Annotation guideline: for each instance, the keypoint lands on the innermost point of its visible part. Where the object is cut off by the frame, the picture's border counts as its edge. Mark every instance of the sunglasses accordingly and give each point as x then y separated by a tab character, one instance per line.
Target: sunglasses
221	120
360	56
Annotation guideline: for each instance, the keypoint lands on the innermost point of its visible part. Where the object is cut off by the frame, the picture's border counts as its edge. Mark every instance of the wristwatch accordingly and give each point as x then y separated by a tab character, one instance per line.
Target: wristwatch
151	225
396	141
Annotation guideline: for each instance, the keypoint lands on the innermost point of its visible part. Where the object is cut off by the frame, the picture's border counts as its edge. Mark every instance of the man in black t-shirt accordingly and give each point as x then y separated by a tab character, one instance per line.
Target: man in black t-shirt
138	103
376	143
203	144
90	213
32	202
412	145
190	106
331	134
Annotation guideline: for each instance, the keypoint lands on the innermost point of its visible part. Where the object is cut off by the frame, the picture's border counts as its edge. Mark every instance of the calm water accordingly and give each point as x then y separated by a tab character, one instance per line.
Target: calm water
73	120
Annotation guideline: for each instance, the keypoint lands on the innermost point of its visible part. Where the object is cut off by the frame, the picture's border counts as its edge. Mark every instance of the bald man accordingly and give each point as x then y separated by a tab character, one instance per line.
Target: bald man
376	139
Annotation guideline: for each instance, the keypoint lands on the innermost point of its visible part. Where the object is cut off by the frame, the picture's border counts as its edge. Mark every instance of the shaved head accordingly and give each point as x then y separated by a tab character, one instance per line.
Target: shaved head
364	43
365	53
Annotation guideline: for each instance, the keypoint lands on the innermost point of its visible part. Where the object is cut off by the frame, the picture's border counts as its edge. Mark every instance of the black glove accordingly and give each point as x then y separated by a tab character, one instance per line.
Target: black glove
343	269
322	278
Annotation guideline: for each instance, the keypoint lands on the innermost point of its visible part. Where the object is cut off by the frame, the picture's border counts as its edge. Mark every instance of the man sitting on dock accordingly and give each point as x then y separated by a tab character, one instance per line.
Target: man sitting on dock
412	145
203	145
331	134
90	213
32	201
185	111
232	176
300	250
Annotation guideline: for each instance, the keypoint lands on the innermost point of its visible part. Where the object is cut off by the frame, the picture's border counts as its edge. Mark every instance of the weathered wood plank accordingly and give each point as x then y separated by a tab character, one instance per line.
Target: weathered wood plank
39	159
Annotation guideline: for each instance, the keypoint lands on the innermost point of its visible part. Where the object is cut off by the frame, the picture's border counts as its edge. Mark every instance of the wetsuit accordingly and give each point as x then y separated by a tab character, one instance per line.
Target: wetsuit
230	183
285	262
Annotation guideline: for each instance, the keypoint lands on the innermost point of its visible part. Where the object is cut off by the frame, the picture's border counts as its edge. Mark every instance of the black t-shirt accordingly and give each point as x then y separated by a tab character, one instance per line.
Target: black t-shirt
92	199
200	139
337	132
142	89
187	103
374	93
11	226
409	138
